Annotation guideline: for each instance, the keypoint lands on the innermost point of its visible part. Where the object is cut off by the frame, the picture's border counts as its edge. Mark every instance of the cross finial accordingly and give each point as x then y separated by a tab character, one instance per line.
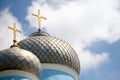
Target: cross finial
15	30
39	19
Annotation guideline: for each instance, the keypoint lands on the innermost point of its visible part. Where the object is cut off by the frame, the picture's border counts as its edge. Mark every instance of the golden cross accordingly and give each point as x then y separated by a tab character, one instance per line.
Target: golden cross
14	32
39	19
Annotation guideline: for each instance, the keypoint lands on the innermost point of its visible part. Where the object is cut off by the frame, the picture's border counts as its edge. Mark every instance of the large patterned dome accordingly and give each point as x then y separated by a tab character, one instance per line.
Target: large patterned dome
50	49
19	59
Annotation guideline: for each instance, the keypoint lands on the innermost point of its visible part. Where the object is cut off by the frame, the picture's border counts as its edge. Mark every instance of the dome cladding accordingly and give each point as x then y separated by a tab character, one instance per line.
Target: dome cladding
19	59
51	50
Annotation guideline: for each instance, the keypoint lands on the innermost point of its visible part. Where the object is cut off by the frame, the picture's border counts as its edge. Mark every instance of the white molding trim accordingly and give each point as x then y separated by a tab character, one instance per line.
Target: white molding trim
62	68
17	73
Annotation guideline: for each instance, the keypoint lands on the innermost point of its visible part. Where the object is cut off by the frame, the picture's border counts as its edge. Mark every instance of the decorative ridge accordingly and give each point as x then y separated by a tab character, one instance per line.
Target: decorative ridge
41	33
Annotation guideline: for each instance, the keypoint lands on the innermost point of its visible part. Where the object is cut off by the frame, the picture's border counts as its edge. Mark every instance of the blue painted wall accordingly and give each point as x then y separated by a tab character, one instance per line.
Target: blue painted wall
48	74
14	78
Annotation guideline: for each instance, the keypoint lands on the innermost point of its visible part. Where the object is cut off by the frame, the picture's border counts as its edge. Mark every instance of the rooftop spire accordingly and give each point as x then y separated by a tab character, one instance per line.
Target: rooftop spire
39	16
15	30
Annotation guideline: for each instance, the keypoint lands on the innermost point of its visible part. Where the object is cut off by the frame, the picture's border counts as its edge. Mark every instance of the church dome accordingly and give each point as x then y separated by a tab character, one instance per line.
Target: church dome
18	59
50	49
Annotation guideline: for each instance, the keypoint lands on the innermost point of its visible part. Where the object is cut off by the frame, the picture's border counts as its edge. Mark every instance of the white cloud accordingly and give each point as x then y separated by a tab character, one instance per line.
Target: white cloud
90	60
6	36
81	22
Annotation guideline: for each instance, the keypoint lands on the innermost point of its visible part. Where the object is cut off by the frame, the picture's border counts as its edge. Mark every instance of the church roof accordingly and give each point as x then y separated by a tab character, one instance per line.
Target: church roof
50	49
18	59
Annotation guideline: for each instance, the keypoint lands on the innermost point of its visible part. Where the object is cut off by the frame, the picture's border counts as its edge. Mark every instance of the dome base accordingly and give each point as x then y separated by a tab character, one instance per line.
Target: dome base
61	68
16	75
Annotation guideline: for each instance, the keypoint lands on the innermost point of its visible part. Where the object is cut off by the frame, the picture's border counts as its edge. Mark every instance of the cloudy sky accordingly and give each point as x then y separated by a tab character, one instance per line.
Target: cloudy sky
92	27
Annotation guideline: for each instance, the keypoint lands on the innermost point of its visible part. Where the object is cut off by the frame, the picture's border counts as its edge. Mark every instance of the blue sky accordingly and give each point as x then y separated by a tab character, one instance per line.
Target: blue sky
92	27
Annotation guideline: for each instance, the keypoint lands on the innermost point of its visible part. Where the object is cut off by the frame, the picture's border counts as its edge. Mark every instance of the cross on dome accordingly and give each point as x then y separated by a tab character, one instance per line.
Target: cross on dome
39	16
15	30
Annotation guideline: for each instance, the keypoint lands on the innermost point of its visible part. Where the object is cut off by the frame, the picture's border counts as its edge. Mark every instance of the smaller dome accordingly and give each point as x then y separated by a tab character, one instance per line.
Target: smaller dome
19	59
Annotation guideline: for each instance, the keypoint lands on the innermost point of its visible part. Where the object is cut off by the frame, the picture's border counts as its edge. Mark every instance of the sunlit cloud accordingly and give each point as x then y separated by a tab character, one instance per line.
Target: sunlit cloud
6	36
81	22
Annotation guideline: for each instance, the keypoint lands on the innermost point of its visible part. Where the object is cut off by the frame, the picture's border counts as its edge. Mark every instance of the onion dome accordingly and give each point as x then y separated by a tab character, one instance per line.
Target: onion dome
18	59
50	49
